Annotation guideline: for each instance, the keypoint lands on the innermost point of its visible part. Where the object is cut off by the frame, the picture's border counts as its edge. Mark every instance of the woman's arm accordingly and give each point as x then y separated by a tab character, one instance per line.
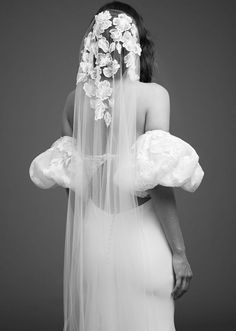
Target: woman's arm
67	119
67	115
164	204
158	117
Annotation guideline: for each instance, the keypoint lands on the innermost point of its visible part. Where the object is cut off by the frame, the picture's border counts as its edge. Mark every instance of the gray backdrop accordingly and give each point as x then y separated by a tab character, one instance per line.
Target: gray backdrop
40	48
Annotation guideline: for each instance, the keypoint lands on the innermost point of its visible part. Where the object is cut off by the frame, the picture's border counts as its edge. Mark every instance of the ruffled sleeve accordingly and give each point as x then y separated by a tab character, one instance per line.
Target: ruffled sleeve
161	158
53	167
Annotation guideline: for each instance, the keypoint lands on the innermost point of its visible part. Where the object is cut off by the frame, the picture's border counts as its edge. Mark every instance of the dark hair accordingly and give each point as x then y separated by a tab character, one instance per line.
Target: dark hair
147	58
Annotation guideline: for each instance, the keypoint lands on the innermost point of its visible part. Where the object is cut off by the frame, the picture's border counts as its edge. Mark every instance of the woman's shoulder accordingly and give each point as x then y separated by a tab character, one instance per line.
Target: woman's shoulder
153	88
154	99
153	95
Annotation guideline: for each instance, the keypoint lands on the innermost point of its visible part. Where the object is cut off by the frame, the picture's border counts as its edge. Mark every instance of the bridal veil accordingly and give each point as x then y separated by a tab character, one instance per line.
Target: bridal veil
104	130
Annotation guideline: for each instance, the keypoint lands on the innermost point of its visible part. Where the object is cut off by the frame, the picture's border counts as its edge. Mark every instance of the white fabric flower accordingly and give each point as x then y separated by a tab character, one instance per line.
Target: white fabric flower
134	30
96	103
129	60
118	47
100	107
103	16
103	59
102	22
123	22
106	25
90	88
85	67
96	73
116	34
104	90
129	42
112	69
98	29
137	49
86	56
87	41
107	118
103	44
112	47
81	77
93	49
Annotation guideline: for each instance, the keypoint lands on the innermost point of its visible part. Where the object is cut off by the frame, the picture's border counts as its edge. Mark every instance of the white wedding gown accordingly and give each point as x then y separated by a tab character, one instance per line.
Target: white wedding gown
115	245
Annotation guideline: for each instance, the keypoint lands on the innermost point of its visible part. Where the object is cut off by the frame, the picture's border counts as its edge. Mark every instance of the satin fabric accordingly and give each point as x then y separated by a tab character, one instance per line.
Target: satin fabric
115	244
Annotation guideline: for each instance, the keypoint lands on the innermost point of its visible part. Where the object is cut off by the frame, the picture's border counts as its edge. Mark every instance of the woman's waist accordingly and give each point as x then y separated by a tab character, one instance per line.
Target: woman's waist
143	206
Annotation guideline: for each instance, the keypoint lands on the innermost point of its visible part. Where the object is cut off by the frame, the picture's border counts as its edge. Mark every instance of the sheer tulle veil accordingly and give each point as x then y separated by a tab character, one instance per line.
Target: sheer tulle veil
104	132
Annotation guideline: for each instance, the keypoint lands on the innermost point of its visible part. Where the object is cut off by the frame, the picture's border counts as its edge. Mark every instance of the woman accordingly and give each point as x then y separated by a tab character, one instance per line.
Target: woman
125	258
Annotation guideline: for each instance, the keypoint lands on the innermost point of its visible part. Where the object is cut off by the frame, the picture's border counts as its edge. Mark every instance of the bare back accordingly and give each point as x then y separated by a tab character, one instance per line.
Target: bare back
152	109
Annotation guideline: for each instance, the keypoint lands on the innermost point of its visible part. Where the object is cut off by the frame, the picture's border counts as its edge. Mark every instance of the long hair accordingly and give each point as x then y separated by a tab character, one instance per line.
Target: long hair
147	59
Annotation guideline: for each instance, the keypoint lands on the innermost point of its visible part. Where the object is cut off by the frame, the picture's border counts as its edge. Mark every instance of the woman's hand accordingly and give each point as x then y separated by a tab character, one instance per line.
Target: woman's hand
183	274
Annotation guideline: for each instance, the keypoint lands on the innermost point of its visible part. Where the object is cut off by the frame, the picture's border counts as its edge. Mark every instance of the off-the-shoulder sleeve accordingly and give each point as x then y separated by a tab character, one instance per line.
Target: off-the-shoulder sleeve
162	159
53	167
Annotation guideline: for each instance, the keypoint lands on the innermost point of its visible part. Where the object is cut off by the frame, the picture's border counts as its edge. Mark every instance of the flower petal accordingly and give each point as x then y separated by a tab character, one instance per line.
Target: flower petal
107	118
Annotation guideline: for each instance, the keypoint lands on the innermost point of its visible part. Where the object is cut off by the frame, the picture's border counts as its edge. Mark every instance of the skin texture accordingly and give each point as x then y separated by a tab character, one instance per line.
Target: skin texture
153	112
158	117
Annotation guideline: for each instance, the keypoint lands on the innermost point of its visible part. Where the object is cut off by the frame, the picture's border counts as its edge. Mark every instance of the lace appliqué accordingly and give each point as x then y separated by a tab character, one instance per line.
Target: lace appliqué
95	63
62	152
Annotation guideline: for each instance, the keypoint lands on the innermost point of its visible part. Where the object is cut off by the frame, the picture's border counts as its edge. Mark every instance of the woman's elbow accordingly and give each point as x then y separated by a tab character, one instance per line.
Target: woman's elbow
162	193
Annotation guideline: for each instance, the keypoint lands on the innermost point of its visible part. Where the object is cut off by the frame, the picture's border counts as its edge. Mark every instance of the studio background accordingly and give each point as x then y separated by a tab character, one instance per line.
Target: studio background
40	41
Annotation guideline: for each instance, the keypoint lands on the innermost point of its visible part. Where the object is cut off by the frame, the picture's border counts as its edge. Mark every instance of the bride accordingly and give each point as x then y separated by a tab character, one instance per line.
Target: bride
125	259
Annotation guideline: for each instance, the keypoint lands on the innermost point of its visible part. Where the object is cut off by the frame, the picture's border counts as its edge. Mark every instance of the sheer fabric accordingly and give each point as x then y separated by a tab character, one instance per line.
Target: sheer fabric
104	130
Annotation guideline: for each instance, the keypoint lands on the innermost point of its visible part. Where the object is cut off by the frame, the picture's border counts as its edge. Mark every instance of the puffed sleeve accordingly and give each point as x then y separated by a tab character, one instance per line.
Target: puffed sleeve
53	166
161	158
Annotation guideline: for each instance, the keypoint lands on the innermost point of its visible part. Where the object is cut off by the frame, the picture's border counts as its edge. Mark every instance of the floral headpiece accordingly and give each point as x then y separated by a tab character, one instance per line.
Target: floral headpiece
96	64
